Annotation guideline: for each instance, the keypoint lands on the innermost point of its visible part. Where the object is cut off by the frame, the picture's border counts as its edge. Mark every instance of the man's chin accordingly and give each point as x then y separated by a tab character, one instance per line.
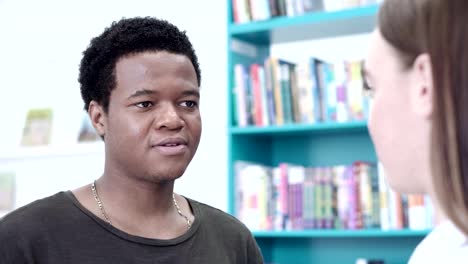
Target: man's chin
167	176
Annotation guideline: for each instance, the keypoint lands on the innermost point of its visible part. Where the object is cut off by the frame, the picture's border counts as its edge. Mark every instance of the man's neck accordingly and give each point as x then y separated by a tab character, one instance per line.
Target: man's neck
140	198
140	207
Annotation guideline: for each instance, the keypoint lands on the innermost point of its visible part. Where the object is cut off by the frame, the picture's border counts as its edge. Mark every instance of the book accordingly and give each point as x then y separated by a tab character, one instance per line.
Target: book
38	127
277	91
257	102
252	195
87	131
303	95
7	191
312	5
240	90
286	91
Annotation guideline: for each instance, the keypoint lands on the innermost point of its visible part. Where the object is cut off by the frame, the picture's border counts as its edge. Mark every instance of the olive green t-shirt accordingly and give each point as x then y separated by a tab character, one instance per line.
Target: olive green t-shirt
58	229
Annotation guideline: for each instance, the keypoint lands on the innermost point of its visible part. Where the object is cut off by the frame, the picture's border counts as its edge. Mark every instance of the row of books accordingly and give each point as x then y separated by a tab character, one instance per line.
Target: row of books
278	92
293	197
254	10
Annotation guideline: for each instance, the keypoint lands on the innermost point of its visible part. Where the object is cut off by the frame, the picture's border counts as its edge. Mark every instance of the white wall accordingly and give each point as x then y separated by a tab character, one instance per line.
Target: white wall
40	48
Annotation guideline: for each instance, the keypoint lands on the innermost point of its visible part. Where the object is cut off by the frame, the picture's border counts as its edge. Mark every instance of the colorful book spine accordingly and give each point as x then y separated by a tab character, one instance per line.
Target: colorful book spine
278	215
354	221
269	92
257	95
315	86
286	93
331	92
295	95
262	199
355	91
277	94
318	199
374	178
240	75
396	210
342	195
306	97
365	194
273	5
241	11
264	97
341	98
328	199
384	199
309	199
283	195
296	176
249	99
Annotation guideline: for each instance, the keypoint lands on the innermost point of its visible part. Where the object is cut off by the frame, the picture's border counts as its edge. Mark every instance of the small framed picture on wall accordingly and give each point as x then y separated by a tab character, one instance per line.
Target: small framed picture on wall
7	191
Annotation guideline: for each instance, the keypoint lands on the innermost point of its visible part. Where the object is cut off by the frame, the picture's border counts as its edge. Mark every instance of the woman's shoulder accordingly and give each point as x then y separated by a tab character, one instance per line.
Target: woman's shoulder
444	244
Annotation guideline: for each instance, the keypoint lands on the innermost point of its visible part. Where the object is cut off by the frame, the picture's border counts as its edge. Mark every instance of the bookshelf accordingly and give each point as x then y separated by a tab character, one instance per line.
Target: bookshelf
294	129
319	144
309	26
341	233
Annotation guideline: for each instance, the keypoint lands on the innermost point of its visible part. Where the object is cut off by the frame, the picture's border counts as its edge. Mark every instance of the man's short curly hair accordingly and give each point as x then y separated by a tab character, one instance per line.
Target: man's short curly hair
127	36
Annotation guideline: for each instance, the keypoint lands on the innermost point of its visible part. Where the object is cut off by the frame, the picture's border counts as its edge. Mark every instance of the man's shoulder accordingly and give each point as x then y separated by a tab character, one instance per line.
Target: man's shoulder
33	215
217	217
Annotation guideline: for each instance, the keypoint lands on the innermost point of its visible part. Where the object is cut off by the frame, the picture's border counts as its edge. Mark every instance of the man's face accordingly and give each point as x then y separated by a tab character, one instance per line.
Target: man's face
153	124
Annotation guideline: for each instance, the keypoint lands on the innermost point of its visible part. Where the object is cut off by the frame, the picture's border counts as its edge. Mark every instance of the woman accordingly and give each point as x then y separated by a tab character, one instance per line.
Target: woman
417	71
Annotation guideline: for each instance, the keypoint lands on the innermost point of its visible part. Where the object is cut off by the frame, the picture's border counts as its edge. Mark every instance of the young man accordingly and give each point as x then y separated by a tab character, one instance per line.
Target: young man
140	84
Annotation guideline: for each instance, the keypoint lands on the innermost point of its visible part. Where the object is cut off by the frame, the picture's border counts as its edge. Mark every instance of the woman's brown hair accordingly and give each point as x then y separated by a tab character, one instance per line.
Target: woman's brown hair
439	28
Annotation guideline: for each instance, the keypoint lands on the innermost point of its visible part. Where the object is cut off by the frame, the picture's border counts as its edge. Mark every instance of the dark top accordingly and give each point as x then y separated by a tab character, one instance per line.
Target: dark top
58	229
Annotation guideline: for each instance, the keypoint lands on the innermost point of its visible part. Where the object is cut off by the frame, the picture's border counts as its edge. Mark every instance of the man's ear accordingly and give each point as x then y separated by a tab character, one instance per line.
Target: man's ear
422	90
98	117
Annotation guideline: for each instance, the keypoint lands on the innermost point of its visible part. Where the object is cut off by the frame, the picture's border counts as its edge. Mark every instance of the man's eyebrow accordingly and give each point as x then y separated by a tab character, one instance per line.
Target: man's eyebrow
144	92
195	93
141	92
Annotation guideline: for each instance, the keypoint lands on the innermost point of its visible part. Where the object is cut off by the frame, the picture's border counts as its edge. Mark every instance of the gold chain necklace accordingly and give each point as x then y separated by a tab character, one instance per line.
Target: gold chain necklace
104	214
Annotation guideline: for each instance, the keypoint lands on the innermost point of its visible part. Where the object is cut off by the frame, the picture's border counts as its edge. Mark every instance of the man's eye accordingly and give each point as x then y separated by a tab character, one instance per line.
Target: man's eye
145	104
189	104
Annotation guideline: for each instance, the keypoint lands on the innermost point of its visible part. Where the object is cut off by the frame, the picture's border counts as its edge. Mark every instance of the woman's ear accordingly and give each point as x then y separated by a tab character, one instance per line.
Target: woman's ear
98	117
422	90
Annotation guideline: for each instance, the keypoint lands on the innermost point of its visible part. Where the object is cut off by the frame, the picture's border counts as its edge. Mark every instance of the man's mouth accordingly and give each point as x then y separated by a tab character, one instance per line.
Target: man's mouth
172	146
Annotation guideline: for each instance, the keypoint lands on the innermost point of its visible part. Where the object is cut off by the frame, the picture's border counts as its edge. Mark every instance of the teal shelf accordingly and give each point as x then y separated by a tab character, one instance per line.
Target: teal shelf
358	126
341	233
308	26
